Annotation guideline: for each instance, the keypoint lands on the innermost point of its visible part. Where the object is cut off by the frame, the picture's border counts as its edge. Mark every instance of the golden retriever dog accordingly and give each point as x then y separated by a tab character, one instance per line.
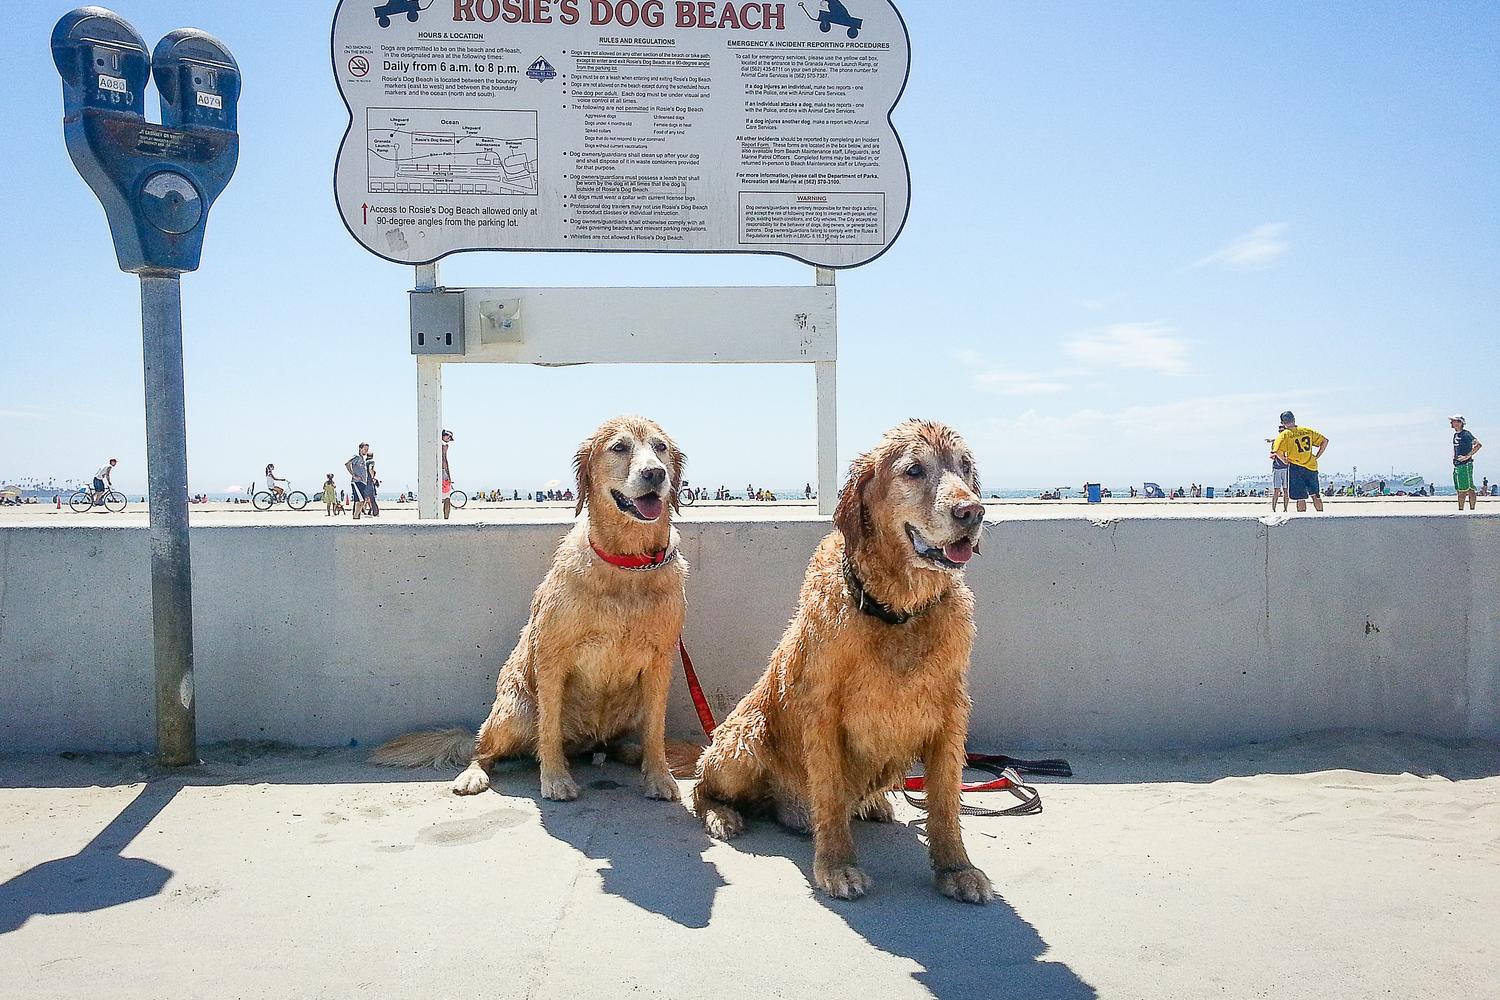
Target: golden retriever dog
594	660
871	673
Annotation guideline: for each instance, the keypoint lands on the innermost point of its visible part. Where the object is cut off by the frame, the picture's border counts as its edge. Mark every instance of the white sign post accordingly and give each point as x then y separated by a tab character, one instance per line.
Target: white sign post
682	126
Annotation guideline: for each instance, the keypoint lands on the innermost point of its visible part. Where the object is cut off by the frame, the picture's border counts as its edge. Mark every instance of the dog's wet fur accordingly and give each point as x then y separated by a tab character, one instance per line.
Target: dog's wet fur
849	701
594	661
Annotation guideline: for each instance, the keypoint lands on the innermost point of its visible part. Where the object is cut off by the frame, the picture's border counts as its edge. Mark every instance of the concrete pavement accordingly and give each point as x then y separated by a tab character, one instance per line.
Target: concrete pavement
1344	865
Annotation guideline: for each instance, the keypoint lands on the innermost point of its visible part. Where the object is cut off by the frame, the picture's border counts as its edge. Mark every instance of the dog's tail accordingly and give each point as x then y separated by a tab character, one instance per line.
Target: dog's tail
682	758
440	748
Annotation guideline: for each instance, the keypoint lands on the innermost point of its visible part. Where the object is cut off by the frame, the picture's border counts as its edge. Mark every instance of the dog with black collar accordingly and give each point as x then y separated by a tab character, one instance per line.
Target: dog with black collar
871	673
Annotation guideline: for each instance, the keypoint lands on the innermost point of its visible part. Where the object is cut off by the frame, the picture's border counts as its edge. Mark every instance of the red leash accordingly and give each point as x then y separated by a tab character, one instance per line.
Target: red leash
1007	770
655	560
918	783
705	714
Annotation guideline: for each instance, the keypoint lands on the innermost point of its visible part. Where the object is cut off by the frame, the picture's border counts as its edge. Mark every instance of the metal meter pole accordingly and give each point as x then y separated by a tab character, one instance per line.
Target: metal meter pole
171	563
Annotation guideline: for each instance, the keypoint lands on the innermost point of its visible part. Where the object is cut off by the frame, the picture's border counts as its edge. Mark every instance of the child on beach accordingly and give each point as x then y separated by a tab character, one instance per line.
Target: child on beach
330	496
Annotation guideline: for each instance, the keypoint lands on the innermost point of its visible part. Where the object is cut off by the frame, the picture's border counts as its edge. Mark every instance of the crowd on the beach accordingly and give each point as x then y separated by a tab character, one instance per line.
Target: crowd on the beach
1294	455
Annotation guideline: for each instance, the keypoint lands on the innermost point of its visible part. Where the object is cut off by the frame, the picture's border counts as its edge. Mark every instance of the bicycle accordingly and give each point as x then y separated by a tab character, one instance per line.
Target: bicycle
83	501
458	498
265	499
688	495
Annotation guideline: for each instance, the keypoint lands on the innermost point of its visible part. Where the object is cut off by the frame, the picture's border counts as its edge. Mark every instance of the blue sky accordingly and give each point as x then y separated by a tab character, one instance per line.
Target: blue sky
1138	232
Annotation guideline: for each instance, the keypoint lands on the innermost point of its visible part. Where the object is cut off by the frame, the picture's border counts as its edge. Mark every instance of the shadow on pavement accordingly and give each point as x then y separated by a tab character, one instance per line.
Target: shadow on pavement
965	951
254	761
663	872
95	878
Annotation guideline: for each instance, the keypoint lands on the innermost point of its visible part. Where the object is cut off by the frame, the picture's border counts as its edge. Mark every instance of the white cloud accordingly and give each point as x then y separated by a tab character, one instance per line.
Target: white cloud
21	415
1008	382
1260	247
1151	346
1011	383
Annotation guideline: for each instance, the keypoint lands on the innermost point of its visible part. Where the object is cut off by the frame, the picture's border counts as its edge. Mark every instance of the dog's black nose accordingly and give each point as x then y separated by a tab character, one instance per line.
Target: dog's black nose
654	476
968	513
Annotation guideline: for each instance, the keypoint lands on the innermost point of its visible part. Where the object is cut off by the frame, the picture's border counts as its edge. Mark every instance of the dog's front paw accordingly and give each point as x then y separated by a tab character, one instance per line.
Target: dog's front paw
723	822
876	808
472	781
842	881
559	787
662	786
969	885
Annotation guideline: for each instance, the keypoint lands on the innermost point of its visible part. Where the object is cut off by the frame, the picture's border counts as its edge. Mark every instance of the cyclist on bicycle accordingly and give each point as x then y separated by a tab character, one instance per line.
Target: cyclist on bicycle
271	480
102	483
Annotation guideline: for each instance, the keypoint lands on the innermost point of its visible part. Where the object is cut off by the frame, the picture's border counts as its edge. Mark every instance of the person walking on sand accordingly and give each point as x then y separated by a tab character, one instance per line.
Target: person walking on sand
1465	446
372	478
1301	447
359	479
1280	474
447	477
330	496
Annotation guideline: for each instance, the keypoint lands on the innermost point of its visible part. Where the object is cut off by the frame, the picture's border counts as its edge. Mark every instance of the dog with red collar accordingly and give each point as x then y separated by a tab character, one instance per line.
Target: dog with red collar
594	662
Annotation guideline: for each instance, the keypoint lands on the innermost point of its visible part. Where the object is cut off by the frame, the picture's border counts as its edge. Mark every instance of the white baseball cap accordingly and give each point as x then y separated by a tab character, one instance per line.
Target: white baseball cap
1459	417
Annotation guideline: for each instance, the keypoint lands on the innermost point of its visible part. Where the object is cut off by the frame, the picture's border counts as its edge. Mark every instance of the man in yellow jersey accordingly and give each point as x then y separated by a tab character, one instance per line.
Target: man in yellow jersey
1300	448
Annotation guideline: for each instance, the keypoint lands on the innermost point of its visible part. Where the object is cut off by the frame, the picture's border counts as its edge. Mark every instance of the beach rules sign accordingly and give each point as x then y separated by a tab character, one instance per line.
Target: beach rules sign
622	125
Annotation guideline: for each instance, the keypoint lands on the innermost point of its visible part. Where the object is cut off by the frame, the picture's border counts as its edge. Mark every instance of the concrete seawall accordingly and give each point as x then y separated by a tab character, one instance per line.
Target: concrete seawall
1138	633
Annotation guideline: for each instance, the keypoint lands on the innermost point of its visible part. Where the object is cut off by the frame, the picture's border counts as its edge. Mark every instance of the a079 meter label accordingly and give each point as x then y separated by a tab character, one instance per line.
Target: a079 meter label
627	125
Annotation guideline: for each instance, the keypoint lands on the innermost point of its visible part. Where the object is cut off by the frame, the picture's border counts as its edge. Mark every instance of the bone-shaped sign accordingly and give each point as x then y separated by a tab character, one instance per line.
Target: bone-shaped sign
622	125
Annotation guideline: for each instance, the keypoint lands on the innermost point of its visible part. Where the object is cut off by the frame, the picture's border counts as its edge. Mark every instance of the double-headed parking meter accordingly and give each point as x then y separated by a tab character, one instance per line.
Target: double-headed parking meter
156	182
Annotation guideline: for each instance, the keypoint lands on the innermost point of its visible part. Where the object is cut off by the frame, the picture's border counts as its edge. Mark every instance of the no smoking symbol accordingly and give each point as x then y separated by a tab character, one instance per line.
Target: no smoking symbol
359	65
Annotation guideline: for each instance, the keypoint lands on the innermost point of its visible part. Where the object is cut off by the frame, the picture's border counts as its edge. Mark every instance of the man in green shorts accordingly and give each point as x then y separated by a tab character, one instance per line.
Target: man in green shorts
1465	445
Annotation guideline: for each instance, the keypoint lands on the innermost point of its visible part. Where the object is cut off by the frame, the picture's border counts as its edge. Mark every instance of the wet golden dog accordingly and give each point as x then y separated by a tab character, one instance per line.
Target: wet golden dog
870	674
594	661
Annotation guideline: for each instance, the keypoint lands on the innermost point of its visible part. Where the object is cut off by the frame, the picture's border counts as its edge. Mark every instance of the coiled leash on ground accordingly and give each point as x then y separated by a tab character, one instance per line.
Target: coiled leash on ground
1007	770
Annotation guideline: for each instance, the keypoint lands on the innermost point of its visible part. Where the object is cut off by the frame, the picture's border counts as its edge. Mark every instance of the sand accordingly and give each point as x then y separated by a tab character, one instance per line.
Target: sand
1341	865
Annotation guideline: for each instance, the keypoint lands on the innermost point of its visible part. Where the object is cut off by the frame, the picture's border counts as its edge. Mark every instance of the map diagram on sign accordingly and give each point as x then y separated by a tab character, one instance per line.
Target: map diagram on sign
444	151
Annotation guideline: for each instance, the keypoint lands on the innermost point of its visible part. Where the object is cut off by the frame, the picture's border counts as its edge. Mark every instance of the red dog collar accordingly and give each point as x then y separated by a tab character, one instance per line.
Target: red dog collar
648	560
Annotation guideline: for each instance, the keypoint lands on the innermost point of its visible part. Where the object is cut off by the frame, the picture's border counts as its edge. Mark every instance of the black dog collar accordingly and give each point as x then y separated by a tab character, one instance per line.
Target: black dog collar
869	605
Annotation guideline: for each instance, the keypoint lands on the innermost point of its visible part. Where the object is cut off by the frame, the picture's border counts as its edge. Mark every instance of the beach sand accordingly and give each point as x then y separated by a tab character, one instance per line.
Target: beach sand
1340	865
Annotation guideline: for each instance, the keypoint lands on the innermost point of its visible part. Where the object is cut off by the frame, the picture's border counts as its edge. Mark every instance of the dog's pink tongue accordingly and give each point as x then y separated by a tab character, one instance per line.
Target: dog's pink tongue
959	552
649	506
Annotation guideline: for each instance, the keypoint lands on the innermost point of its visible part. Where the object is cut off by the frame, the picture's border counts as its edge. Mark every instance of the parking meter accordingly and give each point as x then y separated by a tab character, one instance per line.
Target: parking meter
156	182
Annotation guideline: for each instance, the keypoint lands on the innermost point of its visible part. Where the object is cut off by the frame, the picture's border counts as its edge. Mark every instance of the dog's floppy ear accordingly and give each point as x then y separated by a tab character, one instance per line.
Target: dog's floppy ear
676	462
583	472
849	515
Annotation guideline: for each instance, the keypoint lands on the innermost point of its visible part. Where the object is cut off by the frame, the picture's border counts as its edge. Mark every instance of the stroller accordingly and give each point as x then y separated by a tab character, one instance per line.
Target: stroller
836	13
